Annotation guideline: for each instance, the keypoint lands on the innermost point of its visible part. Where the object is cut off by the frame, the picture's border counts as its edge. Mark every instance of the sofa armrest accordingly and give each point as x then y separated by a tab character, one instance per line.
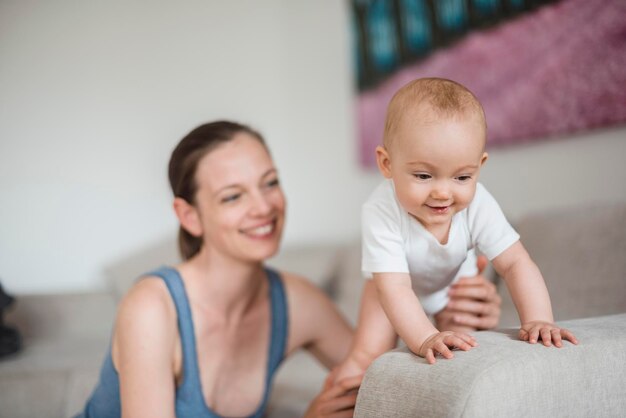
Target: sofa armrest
506	377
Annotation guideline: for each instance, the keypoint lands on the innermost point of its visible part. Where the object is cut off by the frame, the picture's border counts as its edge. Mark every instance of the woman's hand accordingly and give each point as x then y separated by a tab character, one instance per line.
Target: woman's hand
474	304
336	400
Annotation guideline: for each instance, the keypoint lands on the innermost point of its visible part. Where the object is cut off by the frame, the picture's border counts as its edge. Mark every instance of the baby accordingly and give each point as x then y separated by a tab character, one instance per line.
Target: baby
421	222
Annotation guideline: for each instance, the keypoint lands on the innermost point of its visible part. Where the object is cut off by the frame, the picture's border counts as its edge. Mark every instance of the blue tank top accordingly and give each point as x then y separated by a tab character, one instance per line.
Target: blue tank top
105	400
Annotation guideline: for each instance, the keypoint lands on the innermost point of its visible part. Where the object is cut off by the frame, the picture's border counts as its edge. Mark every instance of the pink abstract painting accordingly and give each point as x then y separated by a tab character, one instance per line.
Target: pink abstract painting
558	70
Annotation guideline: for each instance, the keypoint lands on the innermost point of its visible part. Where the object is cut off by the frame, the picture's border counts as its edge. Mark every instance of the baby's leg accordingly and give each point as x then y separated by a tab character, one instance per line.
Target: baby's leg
374	335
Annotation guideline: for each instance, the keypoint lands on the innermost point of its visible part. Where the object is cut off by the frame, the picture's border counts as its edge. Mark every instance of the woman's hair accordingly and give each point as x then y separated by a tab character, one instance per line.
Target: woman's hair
184	164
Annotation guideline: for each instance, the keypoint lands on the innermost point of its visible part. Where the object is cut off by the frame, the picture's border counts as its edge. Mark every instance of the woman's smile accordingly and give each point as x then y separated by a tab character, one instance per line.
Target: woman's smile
262	231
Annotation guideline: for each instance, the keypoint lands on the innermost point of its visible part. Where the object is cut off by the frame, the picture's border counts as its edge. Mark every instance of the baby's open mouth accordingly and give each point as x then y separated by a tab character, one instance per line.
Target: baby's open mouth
438	209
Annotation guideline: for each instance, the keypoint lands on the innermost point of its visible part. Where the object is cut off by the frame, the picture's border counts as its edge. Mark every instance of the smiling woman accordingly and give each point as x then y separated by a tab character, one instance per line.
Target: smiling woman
204	338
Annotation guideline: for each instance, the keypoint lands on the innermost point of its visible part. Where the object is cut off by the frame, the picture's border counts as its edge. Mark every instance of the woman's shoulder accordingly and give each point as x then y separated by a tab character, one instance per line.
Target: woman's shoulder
145	313
147	301
145	328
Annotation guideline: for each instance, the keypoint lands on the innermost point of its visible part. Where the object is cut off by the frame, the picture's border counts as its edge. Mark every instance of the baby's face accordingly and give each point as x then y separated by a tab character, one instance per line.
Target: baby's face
435	167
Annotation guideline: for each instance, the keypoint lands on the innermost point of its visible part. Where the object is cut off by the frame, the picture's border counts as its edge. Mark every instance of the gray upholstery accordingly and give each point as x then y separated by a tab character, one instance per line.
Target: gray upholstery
581	253
65	339
505	377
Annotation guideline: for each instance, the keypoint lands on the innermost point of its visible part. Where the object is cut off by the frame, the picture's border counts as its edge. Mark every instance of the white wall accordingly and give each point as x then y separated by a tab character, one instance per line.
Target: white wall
586	169
94	96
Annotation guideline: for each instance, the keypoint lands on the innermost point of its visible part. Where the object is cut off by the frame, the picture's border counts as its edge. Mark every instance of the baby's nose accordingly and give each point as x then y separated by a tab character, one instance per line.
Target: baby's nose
440	192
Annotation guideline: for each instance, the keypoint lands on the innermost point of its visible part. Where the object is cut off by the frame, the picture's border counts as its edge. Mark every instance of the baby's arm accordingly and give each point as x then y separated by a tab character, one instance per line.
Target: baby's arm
410	321
374	335
530	295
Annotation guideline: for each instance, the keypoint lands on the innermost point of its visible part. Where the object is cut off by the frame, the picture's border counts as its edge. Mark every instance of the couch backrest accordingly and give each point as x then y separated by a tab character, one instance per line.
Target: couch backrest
581	253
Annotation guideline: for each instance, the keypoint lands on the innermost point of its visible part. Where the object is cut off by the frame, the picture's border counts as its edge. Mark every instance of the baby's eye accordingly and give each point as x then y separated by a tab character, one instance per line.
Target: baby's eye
231	198
464	178
422	176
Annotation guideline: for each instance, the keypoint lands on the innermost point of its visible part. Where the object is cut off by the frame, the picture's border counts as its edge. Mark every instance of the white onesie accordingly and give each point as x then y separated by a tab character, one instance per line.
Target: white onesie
395	242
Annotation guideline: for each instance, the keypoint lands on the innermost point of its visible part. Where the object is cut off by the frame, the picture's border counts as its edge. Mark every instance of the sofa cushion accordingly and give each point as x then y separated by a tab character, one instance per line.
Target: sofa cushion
315	262
61	332
349	282
33	394
318	263
581	253
63	317
505	377
65	340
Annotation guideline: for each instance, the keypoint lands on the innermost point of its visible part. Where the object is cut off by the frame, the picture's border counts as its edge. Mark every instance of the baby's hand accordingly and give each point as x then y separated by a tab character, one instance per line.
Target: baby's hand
549	333
441	342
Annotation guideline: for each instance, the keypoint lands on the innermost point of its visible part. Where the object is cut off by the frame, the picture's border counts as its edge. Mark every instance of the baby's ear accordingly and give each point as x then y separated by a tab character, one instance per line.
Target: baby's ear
484	158
383	161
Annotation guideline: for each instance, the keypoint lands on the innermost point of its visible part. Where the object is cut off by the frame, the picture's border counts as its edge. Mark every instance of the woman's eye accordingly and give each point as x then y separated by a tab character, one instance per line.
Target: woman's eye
422	176
272	183
231	198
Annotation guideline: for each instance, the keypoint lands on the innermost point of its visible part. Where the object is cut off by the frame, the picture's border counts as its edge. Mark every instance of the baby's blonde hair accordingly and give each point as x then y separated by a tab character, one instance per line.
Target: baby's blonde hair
428	99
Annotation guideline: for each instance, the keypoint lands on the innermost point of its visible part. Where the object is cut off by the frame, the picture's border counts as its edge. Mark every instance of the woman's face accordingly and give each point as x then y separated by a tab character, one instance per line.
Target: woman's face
239	200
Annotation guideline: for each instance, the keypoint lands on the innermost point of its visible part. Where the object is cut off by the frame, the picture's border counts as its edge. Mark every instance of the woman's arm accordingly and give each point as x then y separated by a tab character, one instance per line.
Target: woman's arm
316	324
143	351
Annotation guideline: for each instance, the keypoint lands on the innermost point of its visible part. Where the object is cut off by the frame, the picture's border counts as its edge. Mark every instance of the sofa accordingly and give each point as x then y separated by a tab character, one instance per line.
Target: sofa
581	251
